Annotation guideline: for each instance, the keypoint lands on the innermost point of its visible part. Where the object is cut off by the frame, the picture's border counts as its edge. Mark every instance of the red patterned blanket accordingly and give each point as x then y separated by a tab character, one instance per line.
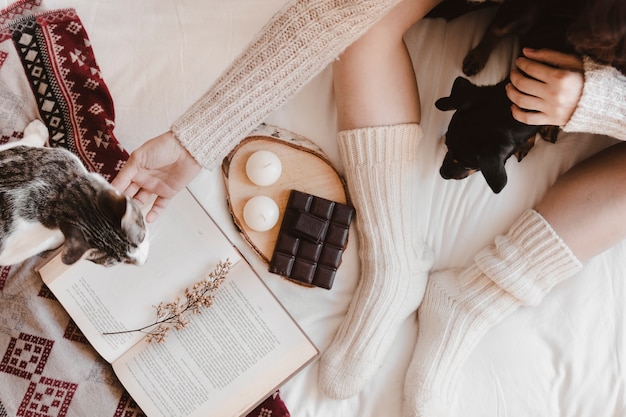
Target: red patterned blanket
48	71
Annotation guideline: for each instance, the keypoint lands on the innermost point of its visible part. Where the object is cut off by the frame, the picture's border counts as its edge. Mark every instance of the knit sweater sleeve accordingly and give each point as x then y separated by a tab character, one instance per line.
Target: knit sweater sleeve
602	105
298	42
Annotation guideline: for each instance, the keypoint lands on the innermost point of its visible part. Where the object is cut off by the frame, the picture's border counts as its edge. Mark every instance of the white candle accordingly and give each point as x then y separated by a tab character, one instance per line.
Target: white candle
260	213
263	168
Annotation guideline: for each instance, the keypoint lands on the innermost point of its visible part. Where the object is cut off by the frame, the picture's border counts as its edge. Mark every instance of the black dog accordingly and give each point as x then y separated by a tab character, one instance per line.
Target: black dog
483	134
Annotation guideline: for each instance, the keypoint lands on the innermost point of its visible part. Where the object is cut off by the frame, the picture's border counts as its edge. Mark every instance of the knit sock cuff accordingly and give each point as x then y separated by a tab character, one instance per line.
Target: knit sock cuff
601	107
379	145
529	260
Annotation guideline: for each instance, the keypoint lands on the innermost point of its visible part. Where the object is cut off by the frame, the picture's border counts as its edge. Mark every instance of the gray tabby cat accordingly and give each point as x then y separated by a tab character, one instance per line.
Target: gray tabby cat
47	198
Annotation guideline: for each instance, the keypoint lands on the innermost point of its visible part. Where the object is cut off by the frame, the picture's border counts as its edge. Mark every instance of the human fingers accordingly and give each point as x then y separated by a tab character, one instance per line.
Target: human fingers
555	58
534	118
538	111
144	198
547	72
124	179
131	190
525	85
534	69
557	98
523	100
157	208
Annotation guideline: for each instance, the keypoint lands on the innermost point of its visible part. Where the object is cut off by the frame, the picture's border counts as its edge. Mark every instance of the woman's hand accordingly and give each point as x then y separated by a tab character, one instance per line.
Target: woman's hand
545	87
161	167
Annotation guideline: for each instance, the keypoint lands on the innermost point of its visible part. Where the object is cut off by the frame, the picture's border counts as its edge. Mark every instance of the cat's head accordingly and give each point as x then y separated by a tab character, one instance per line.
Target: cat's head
111	230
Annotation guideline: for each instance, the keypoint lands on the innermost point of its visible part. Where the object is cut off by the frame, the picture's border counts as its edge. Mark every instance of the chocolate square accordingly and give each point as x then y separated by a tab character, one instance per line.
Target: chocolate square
342	214
337	235
299	202
311	239
309	250
303	271
325	276
287	245
282	264
330	255
322	208
310	227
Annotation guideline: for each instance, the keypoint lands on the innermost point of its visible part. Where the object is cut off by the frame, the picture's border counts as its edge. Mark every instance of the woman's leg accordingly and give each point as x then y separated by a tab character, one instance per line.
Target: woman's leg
586	206
581	215
374	80
378	113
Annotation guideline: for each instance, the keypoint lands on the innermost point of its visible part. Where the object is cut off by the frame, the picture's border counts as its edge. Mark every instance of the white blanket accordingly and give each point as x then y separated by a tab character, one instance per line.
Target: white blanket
563	358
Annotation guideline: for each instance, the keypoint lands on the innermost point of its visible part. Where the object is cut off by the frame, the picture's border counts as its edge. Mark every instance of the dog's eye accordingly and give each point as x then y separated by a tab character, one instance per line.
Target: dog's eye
464	163
459	161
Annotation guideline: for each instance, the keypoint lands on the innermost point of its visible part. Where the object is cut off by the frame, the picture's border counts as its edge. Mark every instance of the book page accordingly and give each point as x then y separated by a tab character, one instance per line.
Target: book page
231	356
185	245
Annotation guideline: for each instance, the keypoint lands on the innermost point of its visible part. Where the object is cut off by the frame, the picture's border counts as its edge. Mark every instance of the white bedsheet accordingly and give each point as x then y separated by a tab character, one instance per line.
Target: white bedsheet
563	358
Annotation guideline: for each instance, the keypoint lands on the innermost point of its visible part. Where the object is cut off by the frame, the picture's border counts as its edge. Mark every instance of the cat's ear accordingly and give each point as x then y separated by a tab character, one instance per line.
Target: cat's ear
113	204
74	246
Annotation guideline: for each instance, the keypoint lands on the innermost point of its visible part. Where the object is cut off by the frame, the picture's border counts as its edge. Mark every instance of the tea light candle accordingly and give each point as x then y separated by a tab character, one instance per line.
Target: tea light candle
263	168
260	213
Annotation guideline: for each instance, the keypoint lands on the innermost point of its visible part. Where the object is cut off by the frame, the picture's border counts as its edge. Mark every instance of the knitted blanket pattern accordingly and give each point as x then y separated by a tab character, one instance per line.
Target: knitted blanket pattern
48	71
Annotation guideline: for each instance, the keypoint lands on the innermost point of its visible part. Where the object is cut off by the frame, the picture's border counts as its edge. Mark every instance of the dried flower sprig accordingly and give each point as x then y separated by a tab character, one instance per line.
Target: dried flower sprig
174	315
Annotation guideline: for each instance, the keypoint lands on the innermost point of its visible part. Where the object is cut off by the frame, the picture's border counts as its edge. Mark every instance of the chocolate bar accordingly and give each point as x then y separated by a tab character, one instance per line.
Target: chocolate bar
311	239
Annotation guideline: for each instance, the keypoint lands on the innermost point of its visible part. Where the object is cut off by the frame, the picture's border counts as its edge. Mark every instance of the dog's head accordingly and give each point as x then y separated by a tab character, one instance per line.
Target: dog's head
490	162
482	134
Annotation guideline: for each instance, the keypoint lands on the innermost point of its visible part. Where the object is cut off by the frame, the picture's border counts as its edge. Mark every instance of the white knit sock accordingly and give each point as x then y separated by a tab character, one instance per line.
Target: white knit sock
460	307
380	165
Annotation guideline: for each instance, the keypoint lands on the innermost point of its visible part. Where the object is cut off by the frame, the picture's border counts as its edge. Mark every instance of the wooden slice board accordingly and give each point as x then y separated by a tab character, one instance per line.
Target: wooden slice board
304	168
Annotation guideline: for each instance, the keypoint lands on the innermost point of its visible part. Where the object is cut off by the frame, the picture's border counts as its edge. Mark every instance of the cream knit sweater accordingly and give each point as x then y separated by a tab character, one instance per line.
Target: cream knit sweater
300	40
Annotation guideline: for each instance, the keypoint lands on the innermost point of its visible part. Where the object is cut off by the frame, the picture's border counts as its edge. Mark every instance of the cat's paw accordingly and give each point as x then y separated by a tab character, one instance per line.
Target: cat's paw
36	134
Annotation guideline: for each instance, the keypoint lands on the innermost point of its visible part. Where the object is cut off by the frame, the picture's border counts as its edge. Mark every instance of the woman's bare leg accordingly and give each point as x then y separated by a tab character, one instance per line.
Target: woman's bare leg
378	113
374	80
586	205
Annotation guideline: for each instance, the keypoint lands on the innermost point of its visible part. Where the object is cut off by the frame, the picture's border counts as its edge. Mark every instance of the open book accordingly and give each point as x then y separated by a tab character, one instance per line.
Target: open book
228	359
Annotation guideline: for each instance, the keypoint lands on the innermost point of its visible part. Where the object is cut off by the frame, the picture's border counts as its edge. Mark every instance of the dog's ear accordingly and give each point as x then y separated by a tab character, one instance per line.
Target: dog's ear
492	168
491	162
460	96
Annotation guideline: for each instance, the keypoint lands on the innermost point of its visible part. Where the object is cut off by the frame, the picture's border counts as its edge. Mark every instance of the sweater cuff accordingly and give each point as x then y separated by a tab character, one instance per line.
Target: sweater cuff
602	105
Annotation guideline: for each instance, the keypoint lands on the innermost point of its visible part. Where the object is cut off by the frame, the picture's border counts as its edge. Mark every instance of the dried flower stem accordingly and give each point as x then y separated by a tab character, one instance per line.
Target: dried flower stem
173	315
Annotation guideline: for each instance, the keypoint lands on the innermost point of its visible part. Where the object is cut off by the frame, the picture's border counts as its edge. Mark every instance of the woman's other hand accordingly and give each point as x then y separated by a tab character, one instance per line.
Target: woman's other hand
545	87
